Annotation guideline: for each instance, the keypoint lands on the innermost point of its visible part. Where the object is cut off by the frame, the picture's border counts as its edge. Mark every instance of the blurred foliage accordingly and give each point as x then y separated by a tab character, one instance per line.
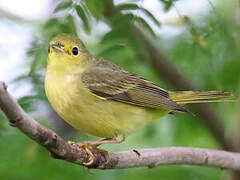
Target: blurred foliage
207	53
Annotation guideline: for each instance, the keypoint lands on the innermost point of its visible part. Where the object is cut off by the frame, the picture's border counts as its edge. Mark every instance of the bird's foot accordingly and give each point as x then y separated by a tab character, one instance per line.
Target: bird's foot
91	148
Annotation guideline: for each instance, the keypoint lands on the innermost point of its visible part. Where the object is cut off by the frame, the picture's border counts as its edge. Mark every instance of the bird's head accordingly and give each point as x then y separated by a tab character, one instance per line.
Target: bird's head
66	51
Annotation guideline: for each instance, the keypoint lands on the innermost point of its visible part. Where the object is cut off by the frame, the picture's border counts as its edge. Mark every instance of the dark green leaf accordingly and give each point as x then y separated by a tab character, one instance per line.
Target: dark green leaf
136	43
69	25
51	22
124	21
144	24
20	78
115	36
83	17
26	102
124	36
167	4
52	28
39	61
56	26
96	7
112	50
151	17
131	6
63	5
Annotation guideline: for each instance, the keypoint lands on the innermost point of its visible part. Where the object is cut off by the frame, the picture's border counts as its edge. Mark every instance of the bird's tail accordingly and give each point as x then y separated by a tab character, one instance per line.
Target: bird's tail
187	97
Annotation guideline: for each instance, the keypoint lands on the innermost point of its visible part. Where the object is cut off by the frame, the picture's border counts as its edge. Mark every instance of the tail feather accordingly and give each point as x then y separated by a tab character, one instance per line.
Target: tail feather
186	97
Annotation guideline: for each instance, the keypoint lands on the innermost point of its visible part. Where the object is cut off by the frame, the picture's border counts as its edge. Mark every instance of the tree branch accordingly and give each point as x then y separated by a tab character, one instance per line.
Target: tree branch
60	149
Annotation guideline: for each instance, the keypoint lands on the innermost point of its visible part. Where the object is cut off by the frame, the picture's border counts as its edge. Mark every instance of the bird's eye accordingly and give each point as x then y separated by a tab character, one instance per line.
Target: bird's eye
48	49
75	51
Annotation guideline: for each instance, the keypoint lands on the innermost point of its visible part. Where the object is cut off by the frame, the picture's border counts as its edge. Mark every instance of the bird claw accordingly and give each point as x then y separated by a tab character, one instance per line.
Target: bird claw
90	147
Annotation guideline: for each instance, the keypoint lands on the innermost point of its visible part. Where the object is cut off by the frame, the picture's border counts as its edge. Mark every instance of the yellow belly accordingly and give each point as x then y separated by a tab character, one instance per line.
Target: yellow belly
93	115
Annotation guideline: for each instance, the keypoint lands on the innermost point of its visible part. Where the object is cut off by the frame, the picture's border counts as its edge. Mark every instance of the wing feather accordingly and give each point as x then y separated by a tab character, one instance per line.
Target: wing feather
112	82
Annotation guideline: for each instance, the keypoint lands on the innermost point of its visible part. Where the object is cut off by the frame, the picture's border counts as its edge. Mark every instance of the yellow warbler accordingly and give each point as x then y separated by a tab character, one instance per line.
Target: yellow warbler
102	99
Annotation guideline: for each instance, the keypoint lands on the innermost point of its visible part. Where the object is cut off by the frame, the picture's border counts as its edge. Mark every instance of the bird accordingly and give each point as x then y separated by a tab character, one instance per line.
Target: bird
102	99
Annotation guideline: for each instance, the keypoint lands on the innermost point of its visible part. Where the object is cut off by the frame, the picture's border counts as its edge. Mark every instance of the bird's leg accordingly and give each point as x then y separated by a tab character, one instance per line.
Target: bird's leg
91	146
117	139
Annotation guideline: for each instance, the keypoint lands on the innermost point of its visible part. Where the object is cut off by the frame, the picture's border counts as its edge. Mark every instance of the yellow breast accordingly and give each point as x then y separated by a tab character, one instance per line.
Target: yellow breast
93	115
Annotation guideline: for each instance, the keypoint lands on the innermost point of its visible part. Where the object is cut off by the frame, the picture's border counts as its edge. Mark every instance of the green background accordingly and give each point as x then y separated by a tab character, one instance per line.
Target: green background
206	53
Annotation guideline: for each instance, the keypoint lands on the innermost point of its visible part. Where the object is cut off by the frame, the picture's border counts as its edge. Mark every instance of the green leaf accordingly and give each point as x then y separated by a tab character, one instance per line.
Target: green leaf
20	78
143	23
39	61
96	7
127	6
115	36
136	43
151	17
83	17
63	5
26	102
50	23
167	4
122	21
69	25
131	6
112	50
52	28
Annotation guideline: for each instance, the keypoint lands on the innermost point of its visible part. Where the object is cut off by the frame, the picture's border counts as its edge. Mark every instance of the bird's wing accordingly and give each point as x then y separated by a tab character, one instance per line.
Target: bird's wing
112	82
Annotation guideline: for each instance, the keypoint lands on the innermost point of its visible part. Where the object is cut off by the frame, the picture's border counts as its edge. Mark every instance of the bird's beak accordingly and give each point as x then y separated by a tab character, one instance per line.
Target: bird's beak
58	47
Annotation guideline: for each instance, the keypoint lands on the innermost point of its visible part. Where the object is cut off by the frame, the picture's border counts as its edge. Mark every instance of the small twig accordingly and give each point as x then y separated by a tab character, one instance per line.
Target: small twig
60	149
